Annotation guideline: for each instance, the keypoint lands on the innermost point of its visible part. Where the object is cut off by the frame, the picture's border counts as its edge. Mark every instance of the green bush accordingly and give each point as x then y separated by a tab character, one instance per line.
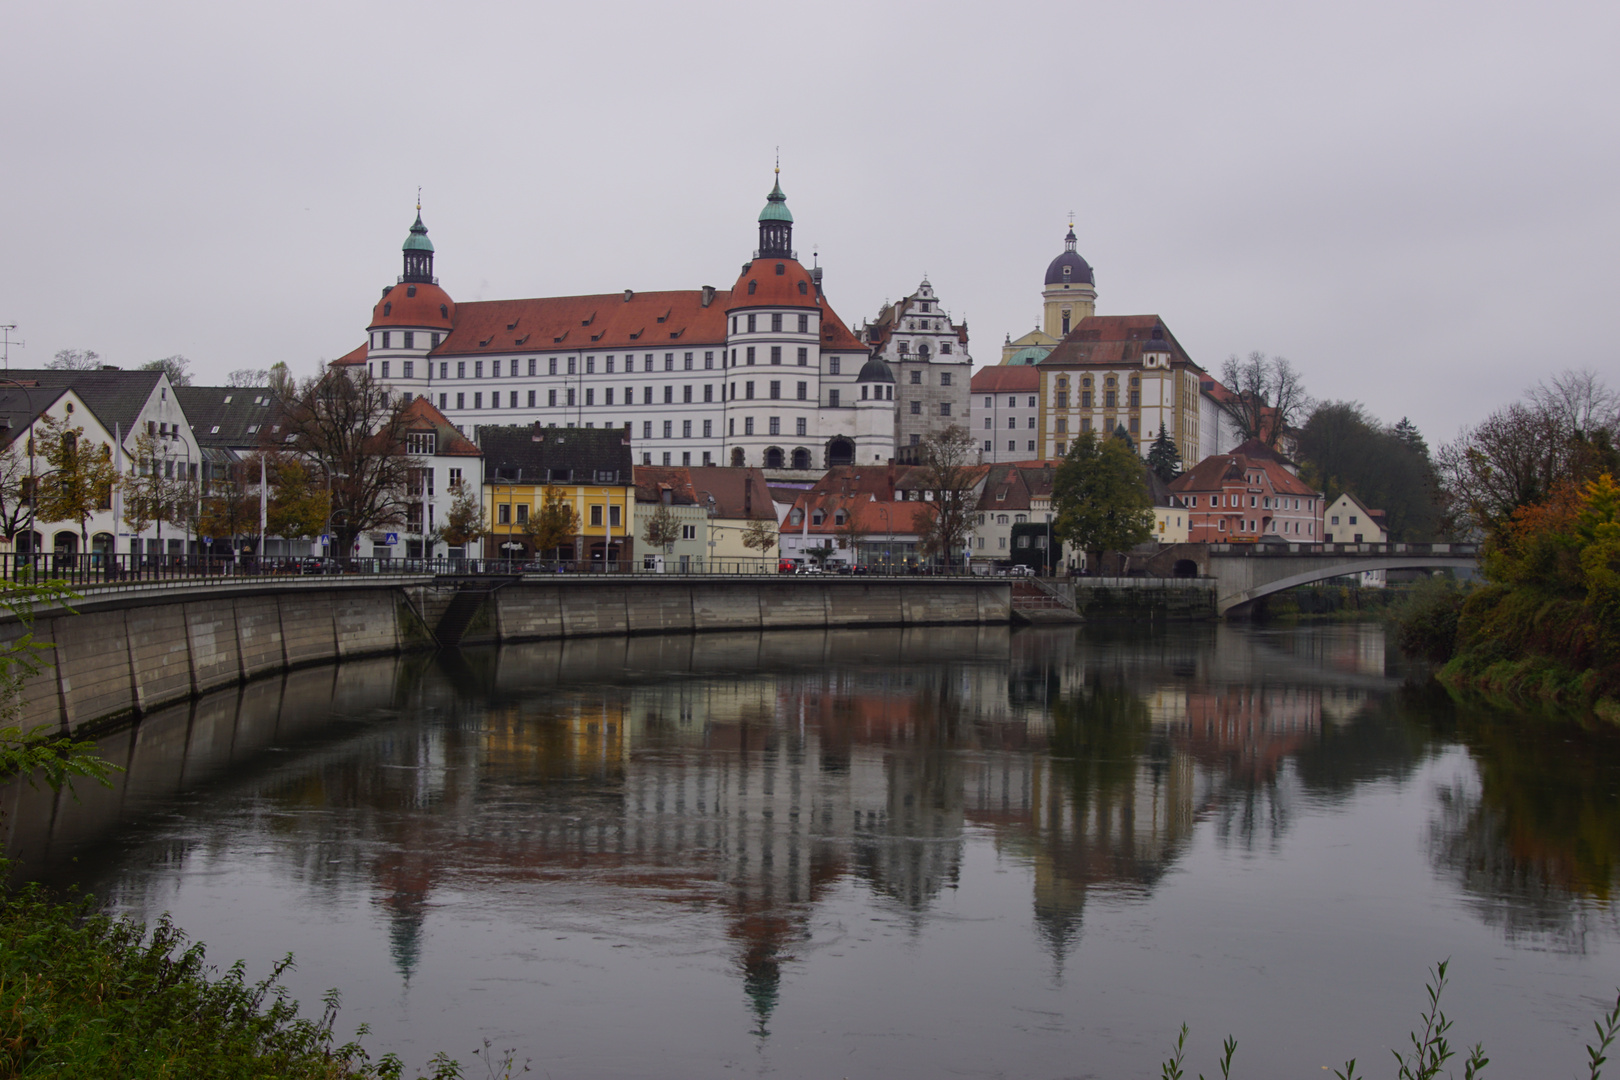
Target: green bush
1426	621
84	994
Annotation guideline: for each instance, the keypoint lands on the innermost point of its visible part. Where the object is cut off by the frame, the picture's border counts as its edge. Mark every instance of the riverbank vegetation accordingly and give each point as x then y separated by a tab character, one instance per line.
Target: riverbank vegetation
1537	482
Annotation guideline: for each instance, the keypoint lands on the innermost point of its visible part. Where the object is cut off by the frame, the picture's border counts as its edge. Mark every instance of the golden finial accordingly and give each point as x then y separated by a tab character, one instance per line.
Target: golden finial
778	161
419	200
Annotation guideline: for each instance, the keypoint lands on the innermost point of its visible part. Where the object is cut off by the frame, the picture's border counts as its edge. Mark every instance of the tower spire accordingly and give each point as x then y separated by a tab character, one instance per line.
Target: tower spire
418	250
775	223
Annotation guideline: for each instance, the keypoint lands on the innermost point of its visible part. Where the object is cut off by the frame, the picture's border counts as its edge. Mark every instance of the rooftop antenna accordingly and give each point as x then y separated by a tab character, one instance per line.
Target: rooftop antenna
6	344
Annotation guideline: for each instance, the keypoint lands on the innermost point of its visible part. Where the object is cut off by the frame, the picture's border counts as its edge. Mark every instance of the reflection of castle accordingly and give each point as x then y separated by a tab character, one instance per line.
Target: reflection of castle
752	772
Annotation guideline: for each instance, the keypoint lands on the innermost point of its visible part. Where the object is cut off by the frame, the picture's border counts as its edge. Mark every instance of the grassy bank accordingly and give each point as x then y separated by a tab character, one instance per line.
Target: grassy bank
84	994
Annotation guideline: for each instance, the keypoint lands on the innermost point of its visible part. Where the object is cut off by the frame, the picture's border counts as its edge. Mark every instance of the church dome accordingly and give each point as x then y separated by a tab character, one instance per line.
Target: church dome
1069	268
876	370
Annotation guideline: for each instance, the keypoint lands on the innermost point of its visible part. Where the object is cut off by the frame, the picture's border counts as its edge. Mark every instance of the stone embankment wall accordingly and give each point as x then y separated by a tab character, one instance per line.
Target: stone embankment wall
128	654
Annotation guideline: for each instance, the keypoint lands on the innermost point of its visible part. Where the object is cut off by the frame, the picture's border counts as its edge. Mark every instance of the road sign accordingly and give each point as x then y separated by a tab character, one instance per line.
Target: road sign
390	539
326	538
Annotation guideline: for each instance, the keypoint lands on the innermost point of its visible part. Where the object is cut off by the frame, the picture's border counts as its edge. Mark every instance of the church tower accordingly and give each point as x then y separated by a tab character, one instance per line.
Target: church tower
1071	290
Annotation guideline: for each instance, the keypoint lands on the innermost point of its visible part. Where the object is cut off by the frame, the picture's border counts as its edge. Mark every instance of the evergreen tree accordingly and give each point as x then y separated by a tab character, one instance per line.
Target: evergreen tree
1162	457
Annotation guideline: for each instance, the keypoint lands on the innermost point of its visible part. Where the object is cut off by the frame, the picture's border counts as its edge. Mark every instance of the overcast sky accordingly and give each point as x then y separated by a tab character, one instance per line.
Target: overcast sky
1417	204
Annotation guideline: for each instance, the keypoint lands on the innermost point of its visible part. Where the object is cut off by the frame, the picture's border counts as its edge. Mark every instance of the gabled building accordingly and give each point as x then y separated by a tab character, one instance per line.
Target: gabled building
590	468
927	355
763	374
1246	496
1006	412
668	492
445	461
734	499
1351	521
1013	494
129	405
25	411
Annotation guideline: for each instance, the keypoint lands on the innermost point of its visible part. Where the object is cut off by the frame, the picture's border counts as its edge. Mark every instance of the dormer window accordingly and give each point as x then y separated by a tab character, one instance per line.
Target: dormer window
796	517
751	286
388	309
817	518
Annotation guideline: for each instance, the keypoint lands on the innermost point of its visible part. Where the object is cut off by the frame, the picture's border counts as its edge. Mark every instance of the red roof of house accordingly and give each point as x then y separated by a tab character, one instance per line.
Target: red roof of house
1006	377
349	359
1220	470
421	415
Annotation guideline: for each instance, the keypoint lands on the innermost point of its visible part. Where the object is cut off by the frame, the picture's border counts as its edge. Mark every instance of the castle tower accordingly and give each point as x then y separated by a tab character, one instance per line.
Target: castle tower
1070	293
410	320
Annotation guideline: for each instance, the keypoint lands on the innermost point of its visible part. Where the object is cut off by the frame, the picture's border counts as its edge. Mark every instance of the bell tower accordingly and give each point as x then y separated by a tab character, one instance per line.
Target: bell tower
775	225
418	253
1071	290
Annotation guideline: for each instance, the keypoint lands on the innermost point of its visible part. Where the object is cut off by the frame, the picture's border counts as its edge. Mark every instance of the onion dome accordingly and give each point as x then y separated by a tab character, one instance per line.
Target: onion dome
776	204
1069	268
418	240
875	370
775	225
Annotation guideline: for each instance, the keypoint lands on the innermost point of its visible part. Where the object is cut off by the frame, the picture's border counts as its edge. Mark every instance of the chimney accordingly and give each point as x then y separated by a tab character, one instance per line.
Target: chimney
708	295
628	295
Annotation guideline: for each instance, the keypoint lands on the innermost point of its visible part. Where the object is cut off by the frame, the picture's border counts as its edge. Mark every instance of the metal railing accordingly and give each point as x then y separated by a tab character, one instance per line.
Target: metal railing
1265	548
102	571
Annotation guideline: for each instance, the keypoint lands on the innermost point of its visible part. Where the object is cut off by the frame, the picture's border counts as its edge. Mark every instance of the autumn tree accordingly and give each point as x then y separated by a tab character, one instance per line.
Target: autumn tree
464	523
17	473
554	524
761	535
248	378
299	504
950	478
662	528
1267	397
79	476
230	509
1563	431
1100	496
352	432
152	493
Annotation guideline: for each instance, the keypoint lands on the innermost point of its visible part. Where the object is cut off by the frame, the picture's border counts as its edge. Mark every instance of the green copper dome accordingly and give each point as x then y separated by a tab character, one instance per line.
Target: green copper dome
418	240
776	205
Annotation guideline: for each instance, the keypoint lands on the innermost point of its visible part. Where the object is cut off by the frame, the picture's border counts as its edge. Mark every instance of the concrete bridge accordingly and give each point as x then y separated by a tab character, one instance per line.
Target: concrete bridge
1243	573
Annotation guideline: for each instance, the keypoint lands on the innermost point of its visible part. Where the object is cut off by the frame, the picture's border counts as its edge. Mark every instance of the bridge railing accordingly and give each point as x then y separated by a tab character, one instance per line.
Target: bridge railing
1274	550
100	571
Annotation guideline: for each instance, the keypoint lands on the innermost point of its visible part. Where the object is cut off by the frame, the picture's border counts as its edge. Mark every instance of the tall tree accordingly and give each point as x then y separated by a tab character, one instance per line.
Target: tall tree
248	378
152	493
1163	458
173	366
18	470
1100	496
79	479
353	433
299	504
950	478
1268	397
1518	456
1341	448
76	360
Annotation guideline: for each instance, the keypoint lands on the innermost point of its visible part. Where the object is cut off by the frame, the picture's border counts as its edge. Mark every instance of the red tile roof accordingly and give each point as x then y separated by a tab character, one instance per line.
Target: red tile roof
1113	340
421	415
1006	377
349	359
775	283
416	304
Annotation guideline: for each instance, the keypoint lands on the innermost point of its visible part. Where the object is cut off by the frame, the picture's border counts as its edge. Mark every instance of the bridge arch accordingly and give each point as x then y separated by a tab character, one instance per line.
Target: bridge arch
1232	595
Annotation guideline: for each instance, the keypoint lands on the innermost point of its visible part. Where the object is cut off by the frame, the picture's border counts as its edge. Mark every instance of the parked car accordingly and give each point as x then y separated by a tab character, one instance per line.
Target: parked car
786	566
808	568
1020	570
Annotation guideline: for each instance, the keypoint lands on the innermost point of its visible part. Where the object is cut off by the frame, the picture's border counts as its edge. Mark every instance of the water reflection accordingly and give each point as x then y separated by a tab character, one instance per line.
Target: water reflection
747	779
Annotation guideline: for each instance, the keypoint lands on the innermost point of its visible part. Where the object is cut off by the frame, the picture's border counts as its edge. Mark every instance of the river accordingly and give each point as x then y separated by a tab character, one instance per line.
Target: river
926	853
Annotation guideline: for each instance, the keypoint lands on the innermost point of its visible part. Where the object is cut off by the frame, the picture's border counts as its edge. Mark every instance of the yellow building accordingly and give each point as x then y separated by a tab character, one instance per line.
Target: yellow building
590	468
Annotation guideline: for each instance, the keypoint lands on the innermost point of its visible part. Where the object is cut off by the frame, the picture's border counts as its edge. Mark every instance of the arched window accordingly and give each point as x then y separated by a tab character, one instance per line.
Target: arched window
773	457
801	458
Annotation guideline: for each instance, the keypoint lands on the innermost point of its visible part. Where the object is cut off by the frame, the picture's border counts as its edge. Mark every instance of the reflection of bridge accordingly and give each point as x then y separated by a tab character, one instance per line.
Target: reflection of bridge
1244	573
